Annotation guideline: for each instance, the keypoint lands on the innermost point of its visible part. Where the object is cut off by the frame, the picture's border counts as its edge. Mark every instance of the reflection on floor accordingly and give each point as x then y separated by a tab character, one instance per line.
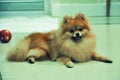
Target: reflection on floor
107	44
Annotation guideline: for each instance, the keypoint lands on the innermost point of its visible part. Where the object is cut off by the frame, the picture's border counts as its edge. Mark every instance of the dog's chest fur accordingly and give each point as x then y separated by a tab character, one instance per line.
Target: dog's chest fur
77	51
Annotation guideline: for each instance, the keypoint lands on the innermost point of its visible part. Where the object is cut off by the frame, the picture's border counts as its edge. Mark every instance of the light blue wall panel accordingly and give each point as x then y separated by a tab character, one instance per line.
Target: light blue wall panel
22	6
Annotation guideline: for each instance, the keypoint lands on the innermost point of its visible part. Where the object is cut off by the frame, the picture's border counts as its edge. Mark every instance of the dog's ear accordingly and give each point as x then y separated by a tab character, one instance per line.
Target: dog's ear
80	16
67	19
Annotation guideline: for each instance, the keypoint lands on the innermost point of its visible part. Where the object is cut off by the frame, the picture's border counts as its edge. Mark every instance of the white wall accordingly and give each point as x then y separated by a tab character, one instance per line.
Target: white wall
90	7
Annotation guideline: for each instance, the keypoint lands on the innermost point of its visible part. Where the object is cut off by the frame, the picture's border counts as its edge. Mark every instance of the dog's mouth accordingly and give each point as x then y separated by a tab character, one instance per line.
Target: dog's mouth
76	38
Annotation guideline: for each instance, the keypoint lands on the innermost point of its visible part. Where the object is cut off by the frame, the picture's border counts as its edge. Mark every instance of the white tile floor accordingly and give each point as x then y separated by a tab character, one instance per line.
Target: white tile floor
108	37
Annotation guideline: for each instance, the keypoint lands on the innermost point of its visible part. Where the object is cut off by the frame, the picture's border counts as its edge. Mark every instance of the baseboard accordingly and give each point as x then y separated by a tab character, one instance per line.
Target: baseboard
104	20
21	13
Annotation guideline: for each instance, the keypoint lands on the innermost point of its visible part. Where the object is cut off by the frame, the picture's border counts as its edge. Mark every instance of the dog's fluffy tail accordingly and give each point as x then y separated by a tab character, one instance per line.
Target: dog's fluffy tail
19	51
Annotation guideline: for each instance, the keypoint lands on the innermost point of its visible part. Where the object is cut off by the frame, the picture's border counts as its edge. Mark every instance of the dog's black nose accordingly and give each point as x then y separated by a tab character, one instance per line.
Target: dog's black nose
77	34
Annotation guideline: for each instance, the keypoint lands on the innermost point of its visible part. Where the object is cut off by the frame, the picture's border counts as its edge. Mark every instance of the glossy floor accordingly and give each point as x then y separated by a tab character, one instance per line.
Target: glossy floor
108	44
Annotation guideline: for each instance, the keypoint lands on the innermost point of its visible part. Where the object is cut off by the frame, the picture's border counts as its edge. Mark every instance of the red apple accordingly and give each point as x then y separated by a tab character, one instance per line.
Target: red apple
5	36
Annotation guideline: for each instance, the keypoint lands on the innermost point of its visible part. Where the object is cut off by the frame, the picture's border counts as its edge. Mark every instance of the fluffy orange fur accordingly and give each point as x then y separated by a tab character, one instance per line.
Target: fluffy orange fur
73	41
68	48
33	47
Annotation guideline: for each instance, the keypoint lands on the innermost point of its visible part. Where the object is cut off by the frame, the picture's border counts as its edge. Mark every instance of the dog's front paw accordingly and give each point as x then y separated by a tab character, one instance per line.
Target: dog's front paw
108	61
69	64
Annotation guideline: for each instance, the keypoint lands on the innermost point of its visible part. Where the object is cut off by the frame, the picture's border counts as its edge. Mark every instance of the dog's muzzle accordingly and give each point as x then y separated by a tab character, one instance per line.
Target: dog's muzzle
77	35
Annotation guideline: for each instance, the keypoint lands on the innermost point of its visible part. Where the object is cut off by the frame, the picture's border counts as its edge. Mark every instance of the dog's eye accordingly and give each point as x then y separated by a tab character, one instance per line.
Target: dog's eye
80	29
71	31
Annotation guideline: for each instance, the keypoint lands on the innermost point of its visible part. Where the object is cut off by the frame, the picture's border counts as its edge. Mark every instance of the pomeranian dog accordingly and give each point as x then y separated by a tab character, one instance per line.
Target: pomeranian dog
72	42
75	42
